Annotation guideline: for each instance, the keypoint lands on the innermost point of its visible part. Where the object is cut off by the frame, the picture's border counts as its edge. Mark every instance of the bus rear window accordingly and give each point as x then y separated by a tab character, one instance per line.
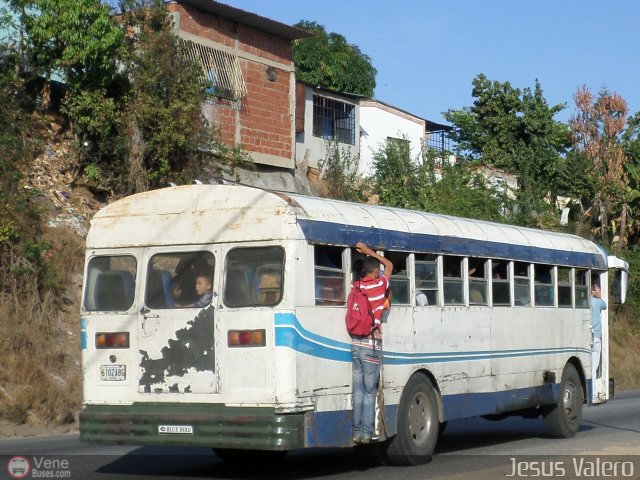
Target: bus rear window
254	277
110	283
173	280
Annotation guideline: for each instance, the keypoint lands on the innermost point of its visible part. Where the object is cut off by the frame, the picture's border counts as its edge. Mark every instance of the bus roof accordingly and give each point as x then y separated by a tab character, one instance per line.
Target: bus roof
202	214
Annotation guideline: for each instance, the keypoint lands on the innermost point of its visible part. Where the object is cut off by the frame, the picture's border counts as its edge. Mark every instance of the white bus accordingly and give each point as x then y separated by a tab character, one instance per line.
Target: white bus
501	325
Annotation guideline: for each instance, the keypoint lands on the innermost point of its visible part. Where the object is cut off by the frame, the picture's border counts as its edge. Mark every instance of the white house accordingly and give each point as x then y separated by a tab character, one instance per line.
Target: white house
381	123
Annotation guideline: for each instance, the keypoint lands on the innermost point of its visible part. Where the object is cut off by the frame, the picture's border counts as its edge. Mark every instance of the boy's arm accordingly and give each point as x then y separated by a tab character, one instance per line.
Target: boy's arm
388	266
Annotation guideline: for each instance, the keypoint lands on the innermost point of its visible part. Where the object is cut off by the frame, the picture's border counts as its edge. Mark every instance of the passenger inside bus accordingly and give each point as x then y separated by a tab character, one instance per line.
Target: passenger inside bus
204	288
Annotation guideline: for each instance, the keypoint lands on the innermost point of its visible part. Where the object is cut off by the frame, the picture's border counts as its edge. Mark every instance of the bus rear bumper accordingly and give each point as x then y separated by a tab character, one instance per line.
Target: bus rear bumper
196	425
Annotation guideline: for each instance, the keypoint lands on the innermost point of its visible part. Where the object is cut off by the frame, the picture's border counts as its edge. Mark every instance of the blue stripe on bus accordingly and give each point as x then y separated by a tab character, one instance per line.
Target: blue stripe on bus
333	429
290	333
342	234
83	333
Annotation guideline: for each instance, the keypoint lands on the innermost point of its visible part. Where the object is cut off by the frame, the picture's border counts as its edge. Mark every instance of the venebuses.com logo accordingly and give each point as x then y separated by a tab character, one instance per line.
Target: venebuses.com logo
38	467
18	467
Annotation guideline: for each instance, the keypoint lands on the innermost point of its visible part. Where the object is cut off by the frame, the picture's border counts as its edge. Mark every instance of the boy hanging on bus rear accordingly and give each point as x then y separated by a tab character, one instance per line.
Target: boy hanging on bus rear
366	350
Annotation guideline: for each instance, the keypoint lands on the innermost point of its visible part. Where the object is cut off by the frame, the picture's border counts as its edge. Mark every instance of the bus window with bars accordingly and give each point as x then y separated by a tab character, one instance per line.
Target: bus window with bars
426	277
478	282
543	285
564	287
452	280
582	288
522	284
329	275
501	292
399	283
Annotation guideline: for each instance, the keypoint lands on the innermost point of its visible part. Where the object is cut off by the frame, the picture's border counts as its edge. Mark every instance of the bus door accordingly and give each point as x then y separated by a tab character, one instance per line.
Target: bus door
109	324
176	322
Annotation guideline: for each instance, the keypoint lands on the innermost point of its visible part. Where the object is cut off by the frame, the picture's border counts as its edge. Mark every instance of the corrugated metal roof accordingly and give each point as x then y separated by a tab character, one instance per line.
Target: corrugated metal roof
248	18
200	214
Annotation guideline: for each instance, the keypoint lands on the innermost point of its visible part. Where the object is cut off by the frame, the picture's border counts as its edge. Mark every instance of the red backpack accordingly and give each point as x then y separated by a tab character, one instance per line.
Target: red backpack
359	318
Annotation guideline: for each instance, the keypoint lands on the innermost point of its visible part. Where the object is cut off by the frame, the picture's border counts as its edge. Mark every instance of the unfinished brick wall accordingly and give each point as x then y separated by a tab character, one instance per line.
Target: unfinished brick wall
263	124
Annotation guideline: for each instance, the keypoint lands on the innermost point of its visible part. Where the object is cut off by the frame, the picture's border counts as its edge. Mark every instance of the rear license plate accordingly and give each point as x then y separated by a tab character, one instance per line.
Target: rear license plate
113	373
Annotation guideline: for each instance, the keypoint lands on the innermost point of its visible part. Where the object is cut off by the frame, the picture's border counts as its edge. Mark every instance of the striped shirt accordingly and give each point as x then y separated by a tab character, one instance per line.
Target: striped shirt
375	289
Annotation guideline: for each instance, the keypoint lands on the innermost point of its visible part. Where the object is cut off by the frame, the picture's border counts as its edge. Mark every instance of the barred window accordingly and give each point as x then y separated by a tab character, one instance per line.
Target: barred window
221	70
333	119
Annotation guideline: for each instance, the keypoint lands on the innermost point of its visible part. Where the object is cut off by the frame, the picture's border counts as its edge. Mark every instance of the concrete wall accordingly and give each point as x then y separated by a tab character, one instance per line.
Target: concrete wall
262	123
316	146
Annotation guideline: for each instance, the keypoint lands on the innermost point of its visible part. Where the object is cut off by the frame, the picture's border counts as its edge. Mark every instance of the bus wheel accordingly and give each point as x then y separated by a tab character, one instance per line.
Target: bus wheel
562	420
418	424
238	456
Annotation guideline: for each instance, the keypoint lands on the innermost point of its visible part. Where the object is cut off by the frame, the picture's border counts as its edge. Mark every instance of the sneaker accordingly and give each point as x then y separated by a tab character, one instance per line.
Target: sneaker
365	440
357	438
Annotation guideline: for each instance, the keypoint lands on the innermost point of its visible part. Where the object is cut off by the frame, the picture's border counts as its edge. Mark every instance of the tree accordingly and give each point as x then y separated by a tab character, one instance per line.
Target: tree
397	176
597	127
339	177
424	184
328	60
77	38
161	120
514	130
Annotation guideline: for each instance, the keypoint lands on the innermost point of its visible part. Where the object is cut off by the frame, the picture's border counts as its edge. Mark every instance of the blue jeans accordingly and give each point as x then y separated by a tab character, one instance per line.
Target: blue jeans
366	373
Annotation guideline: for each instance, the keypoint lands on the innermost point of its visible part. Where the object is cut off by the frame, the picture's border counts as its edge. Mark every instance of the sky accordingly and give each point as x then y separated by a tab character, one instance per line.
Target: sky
427	52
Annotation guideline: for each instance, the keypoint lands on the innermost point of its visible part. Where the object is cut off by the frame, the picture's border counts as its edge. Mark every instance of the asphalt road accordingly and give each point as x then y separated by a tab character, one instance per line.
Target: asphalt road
609	440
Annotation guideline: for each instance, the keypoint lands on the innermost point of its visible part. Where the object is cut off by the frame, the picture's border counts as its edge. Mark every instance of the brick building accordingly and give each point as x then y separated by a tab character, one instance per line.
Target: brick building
248	60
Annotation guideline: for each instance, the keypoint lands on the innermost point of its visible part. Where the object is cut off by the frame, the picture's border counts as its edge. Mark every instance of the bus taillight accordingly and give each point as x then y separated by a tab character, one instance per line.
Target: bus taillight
246	338
112	340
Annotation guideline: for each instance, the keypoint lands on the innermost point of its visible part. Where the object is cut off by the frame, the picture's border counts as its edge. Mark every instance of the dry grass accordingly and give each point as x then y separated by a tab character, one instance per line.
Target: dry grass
624	350
40	376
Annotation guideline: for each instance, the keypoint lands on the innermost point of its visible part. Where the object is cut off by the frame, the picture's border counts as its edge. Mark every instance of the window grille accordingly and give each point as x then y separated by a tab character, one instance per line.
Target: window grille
220	69
439	144
333	119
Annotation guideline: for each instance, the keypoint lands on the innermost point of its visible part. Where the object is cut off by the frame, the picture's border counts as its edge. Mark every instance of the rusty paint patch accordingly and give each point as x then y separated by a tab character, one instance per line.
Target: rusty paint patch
192	348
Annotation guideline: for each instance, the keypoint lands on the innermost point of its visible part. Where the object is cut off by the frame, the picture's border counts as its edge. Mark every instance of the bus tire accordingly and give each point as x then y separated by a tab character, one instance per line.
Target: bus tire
562	420
418	424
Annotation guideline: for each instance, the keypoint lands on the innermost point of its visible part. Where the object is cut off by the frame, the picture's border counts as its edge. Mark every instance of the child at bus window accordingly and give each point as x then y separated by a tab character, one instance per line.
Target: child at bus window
176	292
204	288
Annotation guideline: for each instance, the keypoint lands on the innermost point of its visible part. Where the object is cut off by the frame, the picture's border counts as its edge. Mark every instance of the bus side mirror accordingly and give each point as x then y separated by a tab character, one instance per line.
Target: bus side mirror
620	284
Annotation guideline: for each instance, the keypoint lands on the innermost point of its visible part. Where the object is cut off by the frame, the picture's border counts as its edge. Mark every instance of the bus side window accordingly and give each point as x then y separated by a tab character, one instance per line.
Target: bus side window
254	277
399	279
543	285
522	283
582	288
426	268
452	280
478	281
500	283
329	275
564	287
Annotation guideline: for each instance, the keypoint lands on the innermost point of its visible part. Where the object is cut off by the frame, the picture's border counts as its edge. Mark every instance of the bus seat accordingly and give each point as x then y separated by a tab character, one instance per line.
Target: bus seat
114	290
158	289
166	288
269	288
237	293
